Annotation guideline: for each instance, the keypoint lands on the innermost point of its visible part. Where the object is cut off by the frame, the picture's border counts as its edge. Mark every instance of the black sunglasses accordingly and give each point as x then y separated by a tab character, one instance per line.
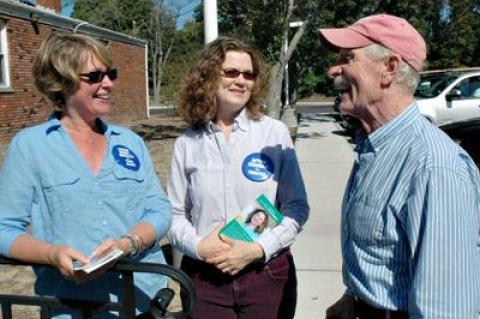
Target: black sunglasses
234	73
97	76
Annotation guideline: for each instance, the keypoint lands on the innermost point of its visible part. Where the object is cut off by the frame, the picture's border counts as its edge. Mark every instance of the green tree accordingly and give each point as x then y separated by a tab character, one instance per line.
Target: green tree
151	20
188	42
455	39
312	60
248	20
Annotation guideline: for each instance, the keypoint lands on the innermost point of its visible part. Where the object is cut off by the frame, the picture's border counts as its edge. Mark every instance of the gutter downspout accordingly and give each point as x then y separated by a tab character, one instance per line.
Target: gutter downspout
146	81
78	26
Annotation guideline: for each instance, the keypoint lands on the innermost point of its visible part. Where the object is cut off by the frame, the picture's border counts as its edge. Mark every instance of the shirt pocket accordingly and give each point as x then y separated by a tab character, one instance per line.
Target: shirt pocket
59	191
130	187
366	221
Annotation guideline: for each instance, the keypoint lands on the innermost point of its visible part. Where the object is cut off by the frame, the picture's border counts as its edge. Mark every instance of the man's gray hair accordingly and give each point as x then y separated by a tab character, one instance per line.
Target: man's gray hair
406	75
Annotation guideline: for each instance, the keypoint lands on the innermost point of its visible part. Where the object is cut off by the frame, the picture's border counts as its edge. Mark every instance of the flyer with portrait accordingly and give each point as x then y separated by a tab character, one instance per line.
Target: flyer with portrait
253	220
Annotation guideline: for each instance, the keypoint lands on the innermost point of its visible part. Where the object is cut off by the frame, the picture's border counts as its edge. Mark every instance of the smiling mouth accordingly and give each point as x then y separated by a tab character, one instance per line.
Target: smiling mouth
236	92
102	97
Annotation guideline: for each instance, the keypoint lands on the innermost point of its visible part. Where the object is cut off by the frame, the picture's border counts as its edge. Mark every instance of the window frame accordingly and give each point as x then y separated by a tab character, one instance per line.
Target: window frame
5	83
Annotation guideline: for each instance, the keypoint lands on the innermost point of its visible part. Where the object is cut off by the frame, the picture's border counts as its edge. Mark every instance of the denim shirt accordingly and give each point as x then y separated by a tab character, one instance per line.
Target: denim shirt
47	189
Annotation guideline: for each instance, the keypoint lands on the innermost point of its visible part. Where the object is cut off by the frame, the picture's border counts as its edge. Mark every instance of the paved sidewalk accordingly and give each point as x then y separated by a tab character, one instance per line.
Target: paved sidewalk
325	159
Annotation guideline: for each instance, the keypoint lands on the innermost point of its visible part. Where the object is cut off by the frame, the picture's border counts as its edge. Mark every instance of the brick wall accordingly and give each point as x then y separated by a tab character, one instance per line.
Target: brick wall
25	106
130	94
52	4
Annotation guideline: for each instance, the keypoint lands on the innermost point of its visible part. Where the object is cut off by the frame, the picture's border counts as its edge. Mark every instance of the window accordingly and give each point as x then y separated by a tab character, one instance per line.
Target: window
470	87
4	66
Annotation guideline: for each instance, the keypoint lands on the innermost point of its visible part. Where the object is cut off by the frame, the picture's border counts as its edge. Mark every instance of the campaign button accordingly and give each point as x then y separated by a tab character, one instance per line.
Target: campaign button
257	167
125	157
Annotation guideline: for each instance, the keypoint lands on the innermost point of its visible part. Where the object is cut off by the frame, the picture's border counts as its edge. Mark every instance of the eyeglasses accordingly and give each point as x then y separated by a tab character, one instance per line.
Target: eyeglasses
97	76
234	73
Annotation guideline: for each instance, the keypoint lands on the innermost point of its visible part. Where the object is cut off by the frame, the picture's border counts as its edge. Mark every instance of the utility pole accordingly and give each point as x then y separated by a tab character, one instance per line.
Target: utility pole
210	20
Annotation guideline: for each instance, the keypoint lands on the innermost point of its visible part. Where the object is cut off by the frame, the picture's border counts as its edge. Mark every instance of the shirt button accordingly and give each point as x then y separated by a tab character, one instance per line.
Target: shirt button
100	202
104	222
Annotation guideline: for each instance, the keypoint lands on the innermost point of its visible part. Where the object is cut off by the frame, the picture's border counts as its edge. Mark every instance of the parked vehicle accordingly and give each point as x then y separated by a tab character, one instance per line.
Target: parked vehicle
467	135
449	96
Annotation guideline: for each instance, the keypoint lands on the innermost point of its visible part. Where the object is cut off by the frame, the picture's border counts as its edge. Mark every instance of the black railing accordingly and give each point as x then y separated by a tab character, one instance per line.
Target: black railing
125	307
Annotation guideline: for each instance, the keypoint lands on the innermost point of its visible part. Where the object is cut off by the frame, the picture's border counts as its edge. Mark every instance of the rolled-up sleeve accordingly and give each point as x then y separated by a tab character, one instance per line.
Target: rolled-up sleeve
17	195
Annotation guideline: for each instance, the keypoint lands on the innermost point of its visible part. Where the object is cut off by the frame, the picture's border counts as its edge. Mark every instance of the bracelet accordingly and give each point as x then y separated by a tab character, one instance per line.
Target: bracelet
134	244
141	243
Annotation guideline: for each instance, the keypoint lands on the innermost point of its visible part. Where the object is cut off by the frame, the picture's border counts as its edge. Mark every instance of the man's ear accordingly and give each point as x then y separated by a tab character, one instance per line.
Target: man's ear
392	64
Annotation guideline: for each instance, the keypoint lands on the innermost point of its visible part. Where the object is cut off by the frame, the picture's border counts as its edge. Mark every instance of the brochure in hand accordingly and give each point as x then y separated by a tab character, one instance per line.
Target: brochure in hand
98	262
253	220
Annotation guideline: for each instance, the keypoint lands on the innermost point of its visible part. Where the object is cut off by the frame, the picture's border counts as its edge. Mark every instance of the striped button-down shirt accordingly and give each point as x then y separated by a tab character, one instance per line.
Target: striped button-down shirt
410	222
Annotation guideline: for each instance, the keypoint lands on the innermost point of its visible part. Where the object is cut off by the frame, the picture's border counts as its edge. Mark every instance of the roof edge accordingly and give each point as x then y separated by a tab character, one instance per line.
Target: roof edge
23	11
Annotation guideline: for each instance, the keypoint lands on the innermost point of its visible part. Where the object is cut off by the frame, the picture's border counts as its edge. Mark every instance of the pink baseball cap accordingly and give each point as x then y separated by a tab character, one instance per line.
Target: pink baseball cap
392	32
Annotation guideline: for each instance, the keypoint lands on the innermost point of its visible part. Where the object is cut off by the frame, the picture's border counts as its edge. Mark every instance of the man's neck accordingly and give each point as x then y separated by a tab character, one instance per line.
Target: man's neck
384	111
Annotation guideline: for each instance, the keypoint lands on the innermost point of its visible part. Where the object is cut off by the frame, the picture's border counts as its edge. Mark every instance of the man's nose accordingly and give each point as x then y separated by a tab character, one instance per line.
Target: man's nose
334	71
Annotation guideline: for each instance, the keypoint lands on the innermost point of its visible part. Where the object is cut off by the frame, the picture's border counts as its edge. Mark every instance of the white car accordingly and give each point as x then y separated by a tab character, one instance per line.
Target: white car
449	96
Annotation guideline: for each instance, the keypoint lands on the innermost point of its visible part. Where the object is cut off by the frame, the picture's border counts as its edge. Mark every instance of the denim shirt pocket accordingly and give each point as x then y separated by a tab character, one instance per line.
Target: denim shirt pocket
59	190
122	173
130	184
365	221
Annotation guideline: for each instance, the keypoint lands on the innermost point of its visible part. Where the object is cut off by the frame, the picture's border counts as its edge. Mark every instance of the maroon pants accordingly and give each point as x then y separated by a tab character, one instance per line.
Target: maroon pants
267	291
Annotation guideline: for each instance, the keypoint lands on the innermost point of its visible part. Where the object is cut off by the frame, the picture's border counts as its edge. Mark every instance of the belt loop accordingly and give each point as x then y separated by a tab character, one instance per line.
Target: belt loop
388	314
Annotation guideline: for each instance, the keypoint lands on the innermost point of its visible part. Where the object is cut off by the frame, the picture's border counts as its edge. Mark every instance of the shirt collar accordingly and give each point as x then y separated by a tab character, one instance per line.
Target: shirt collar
394	127
54	124
240	122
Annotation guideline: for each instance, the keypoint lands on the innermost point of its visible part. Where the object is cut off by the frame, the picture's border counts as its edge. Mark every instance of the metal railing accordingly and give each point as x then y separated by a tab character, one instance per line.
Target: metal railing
125	307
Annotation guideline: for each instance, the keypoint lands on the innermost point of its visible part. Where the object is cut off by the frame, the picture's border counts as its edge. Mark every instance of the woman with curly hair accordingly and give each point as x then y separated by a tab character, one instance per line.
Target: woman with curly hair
231	154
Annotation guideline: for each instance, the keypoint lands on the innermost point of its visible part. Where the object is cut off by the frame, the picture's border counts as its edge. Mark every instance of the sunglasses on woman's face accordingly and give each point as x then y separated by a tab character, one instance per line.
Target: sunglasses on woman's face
97	76
234	73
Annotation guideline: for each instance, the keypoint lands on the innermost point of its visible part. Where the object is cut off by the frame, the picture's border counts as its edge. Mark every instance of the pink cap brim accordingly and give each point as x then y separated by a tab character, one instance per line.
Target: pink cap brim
343	38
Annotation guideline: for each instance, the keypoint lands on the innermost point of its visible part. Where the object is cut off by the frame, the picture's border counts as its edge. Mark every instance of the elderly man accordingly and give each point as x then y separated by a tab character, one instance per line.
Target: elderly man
410	215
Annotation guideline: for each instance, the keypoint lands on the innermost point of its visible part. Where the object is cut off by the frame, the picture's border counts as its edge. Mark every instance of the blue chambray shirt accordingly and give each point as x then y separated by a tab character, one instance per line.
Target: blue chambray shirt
46	184
410	222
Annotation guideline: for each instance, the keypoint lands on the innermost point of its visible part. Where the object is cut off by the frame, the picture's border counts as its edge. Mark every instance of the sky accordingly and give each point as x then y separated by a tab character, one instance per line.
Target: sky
186	9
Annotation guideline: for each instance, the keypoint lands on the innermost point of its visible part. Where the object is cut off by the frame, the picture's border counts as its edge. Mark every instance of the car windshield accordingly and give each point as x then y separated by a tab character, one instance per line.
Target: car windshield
431	85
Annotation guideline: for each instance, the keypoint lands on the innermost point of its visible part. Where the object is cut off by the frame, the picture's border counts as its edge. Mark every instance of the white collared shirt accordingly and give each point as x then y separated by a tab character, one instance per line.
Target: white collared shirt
212	180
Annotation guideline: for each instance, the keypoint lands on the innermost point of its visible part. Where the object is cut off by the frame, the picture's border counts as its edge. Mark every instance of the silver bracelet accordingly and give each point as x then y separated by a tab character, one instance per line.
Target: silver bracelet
134	244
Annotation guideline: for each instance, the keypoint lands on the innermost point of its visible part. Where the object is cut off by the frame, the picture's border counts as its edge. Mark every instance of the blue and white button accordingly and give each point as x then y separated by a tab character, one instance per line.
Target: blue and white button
257	167
126	157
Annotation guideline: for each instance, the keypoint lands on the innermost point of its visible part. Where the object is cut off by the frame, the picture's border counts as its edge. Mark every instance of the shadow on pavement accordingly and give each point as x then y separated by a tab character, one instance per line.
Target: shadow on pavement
318	117
310	135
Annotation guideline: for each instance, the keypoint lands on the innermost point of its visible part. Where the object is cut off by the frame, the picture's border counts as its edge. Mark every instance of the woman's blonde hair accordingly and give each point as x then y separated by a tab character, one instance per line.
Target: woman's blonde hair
60	59
197	97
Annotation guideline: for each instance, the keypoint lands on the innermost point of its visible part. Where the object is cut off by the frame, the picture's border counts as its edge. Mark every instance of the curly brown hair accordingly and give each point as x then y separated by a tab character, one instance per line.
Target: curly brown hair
197	97
59	60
